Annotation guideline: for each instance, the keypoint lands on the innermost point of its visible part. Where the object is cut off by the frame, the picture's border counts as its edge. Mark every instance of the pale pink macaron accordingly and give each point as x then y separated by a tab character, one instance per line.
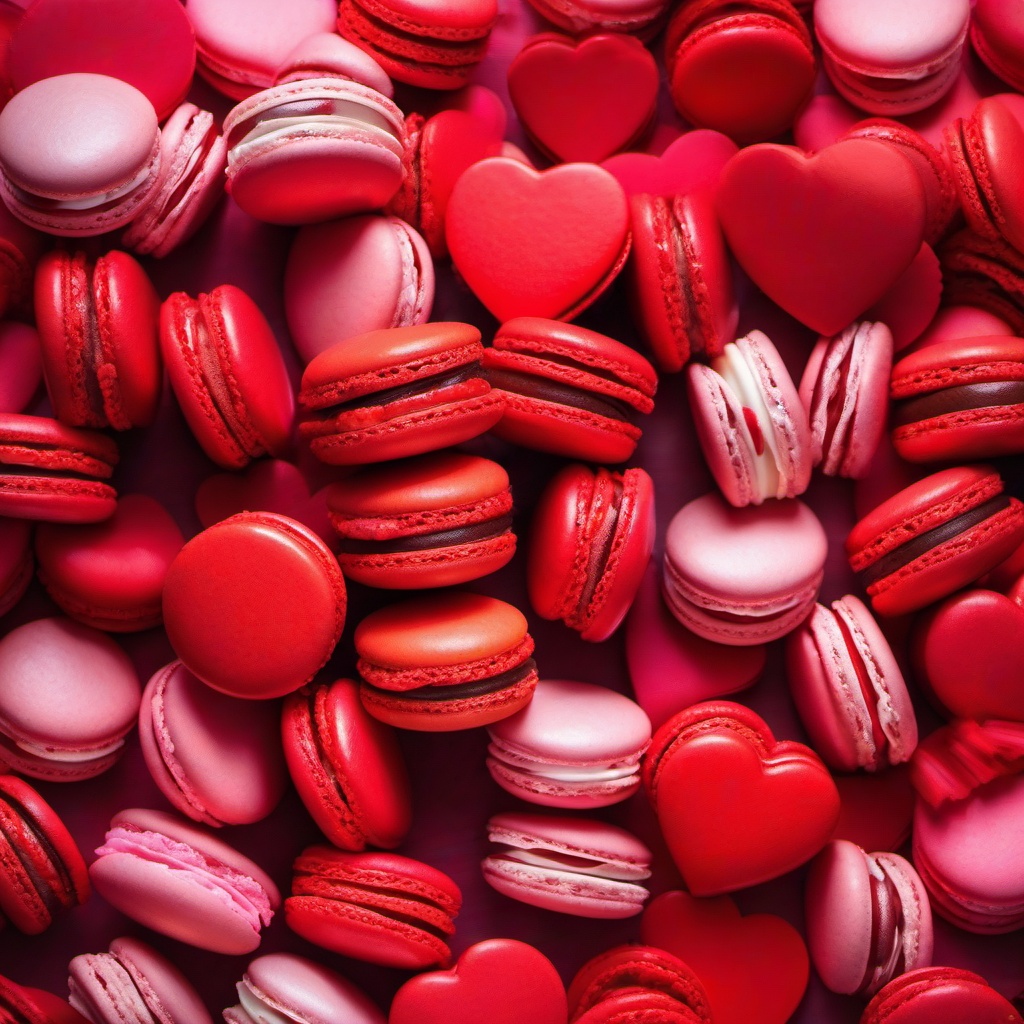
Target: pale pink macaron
355	275
575	745
750	421
845	390
217	759
576	866
868	918
68	698
326	54
849	690
743	575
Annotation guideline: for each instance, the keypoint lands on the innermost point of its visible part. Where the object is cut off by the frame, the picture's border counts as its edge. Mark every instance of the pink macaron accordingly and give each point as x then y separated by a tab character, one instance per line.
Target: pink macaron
326	54
573	866
575	745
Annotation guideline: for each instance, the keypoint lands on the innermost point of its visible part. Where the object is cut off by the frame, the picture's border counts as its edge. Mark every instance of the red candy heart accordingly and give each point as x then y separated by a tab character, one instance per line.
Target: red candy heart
753	968
823	236
532	243
692	163
586	99
500	981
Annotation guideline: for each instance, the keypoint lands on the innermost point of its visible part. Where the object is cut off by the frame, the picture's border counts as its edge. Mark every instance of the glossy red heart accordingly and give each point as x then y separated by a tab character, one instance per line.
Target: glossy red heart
537	243
584	99
970	651
753	968
735	807
823	236
498	981
692	163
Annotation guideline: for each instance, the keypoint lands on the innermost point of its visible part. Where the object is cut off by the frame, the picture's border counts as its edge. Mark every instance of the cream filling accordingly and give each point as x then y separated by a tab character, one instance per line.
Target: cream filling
252	1007
89	202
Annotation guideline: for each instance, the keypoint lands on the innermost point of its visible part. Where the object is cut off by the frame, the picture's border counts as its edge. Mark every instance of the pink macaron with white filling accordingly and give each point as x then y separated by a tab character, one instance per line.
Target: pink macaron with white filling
575	745
573	866
868	918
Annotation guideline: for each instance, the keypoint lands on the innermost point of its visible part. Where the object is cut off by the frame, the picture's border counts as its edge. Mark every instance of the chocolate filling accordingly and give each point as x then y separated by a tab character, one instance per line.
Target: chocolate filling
477	688
52	899
886	926
528	385
601	548
983	395
422	542
906	553
416	387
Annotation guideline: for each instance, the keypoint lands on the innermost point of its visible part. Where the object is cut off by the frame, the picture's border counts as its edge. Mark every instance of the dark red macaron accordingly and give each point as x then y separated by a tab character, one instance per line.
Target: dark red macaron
984	272
934	995
97	325
593	533
20	1005
228	375
397	392
933	537
430	521
569	390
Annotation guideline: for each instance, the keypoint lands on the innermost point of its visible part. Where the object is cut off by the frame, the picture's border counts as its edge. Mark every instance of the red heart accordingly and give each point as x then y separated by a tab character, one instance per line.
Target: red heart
586	99
970	650
735	807
500	981
692	163
823	236
532	243
753	968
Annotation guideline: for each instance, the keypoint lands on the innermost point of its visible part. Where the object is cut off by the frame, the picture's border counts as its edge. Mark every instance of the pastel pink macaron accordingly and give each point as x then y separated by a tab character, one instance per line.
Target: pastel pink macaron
68	698
216	758
751	424
169	875
326	54
849	690
576	745
868	918
743	575
576	866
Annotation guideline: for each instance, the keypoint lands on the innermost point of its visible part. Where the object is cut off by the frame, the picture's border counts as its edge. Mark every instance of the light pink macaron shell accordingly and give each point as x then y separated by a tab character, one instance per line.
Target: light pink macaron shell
326	53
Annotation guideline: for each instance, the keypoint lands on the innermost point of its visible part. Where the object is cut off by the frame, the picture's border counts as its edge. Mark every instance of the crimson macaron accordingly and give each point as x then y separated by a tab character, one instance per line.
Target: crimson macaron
34	1006
932	994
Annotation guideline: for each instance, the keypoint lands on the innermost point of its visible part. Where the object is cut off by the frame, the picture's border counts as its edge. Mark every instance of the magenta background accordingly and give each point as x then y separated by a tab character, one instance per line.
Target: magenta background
454	796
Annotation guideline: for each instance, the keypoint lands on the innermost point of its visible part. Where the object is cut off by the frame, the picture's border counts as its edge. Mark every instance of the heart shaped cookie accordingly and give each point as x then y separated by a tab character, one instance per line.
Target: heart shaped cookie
585	99
736	808
691	163
500	981
531	243
752	968
823	236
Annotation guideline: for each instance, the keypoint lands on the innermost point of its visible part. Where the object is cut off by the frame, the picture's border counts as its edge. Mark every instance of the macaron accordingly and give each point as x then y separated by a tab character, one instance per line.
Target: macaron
959	399
56	473
997	37
79	154
445	662
430	521
743	575
216	758
934	537
314	149
351	276
751	423
576	745
254	605
985	273
179	880
844	391
17	566
97	324
849	690
582	16
404	391
20	246
110	575
42	873
228	375
868	918
132	982
283	986
23	362
681	278
347	767
592	537
932	994
576	866
326	54
22	1005
434	46
379	907
569	390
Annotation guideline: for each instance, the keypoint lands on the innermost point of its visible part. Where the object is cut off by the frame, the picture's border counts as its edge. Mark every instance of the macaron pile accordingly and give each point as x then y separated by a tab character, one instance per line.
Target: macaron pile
574	573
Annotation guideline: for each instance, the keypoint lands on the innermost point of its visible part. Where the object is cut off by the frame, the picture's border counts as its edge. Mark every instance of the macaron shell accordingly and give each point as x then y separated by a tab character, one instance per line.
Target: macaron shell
918	931
20	352
939	995
326	53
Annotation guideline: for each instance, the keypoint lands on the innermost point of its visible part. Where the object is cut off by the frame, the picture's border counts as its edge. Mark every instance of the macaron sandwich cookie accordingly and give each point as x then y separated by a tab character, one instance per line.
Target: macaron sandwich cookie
932	994
984	272
21	1005
446	662
430	521
569	390
933	537
751	424
581	16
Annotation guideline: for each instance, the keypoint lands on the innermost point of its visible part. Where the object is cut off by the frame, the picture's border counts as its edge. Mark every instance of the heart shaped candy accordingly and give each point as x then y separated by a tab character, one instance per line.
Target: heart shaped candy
753	968
500	981
823	236
691	163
